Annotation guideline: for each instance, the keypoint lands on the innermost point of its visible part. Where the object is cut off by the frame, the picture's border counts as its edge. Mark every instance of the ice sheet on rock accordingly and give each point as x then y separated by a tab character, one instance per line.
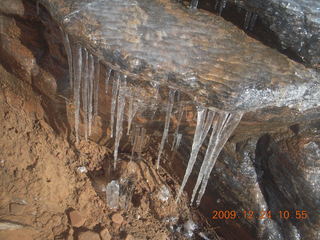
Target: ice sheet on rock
115	89
120	113
223	126
167	124
77	56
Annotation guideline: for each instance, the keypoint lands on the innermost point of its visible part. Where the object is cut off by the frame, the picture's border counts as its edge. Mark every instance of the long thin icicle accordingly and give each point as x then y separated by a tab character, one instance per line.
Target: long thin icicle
202	129
66	43
115	89
84	88
216	128
228	124
180	114
90	92
96	87
77	81
119	123
167	124
133	108
107	79
194	3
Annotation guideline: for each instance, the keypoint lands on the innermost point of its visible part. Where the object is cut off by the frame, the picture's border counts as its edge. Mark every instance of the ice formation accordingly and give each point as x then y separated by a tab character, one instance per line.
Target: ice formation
138	141
115	89
107	79
119	122
250	20
84	71
112	194
167	124
194	3
222	127
77	82
220	5
177	136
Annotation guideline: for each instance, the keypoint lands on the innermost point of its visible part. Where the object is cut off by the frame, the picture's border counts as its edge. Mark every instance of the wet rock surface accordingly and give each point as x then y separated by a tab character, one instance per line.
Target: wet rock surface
296	23
212	61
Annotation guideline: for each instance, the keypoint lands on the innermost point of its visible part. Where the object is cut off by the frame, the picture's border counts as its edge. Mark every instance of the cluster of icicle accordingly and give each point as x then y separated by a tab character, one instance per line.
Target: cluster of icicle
220	5
84	75
84	71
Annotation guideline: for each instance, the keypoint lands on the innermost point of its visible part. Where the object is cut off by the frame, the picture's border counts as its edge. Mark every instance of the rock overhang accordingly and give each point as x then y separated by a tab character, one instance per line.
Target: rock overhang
210	60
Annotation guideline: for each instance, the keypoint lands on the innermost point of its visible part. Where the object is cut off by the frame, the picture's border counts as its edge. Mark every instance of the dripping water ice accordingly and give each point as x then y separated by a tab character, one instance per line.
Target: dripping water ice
90	92
204	121
115	89
119	122
66	43
176	133
77	81
167	124
222	127
108	75
84	88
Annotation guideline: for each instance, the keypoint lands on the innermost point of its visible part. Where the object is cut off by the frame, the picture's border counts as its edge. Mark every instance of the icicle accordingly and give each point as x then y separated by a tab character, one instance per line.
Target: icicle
223	4
180	114
194	4
140	142
167	124
247	20
115	89
108	75
38	7
84	88
90	92
178	141
119	123
77	81
224	126
133	108
136	133
195	147
96	87
67	47
253	21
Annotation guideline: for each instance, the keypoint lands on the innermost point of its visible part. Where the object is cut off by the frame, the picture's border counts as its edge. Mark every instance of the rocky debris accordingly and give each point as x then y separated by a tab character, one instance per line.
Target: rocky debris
105	235
129	237
117	218
88	235
76	219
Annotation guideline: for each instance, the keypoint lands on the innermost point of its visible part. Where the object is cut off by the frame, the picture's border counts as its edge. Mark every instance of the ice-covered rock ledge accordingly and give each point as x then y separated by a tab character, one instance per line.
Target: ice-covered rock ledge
213	62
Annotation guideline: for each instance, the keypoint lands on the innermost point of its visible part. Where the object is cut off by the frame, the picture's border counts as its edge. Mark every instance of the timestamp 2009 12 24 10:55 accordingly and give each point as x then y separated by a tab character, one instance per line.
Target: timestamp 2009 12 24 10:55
248	214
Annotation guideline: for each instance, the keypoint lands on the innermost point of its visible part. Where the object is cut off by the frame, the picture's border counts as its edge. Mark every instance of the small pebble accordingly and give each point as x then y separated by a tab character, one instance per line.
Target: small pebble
76	219
117	218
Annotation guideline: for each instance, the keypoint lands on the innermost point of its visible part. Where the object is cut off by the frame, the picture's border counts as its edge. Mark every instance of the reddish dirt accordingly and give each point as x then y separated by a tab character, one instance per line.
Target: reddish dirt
44	196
